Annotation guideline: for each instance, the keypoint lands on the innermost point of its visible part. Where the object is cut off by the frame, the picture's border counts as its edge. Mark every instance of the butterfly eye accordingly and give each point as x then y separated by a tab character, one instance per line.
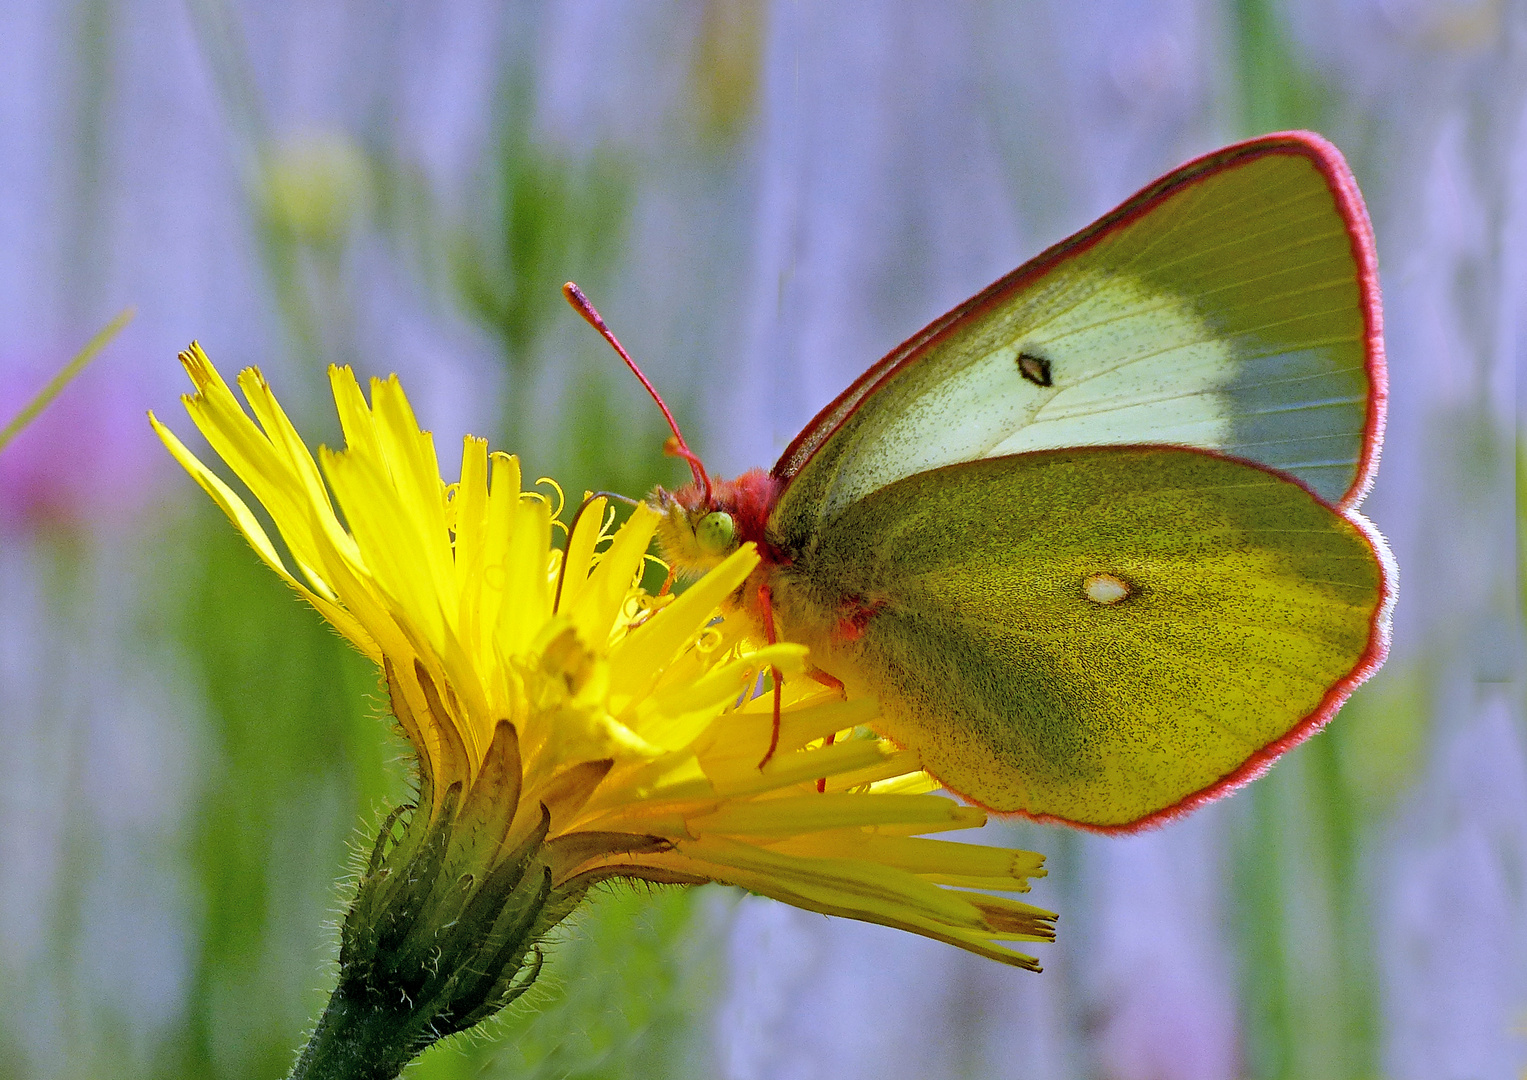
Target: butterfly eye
715	532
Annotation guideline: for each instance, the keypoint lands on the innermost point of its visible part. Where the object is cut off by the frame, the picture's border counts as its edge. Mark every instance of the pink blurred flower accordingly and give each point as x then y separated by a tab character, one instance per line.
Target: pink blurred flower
88	459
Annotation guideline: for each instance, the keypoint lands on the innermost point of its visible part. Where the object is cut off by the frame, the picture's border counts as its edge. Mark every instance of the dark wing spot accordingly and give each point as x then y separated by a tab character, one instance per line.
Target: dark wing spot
1036	369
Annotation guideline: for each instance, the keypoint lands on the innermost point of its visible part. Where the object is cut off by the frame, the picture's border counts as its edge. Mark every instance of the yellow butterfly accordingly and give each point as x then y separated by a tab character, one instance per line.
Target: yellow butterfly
1091	537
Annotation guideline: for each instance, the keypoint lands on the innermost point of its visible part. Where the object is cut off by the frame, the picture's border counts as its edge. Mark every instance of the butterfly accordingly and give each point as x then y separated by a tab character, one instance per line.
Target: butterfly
1091	537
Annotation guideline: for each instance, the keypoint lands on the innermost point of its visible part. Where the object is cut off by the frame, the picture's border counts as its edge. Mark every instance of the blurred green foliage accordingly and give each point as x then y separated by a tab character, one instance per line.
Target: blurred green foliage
542	215
1309	999
1274	90
313	189
551	218
623	983
725	69
1521	521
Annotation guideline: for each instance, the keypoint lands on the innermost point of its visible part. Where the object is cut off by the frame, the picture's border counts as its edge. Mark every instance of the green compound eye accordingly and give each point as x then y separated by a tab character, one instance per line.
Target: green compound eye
716	532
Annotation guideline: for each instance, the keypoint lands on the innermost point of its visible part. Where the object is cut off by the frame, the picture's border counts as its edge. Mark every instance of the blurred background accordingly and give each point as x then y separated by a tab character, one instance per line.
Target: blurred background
762	198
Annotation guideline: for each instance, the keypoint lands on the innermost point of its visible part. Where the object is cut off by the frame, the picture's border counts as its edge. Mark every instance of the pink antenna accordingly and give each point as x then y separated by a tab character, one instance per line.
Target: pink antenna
677	446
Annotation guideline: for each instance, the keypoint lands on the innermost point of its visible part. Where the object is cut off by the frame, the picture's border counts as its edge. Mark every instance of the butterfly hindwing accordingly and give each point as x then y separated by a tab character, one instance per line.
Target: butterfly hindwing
1094	635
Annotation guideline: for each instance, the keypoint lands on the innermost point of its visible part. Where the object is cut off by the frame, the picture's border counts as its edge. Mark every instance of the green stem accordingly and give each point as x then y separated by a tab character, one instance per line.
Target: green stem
56	384
356	1039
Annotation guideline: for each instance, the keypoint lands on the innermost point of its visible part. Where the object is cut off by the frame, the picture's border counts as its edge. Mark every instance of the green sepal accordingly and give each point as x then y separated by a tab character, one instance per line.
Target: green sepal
445	928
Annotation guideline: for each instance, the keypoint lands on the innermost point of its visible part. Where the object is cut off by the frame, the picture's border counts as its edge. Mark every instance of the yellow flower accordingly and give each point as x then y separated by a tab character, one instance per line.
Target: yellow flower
569	726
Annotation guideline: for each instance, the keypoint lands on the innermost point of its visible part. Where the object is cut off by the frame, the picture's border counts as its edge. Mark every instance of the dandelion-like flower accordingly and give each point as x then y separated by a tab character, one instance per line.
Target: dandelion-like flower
569	727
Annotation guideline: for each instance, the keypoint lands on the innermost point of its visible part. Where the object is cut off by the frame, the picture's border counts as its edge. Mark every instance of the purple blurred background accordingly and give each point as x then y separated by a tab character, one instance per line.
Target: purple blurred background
762	199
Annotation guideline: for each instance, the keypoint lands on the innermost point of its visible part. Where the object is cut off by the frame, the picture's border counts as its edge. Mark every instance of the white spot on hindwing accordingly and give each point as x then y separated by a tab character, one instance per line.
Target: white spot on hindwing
1105	589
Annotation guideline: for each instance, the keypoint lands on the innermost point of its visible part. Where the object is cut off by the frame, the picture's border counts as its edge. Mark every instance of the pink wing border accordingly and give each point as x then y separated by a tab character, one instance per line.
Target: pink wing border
1349	203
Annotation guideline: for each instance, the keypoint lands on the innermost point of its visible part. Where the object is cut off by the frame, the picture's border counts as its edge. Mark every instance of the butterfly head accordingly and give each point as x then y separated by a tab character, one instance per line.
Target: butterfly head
704	523
692	536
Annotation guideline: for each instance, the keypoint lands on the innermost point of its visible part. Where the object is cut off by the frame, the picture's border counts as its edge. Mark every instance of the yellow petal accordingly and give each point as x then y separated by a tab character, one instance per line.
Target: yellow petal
794	814
640	659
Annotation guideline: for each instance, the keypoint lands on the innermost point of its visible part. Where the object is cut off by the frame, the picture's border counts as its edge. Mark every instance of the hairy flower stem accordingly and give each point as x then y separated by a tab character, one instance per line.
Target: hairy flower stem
356	1039
443	933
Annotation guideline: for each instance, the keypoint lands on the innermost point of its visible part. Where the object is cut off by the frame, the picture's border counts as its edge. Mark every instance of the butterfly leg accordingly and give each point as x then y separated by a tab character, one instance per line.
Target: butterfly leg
832	682
766	608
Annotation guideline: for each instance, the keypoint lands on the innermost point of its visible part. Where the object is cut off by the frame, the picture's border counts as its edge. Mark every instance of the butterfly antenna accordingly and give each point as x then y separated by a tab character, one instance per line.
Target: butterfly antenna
677	447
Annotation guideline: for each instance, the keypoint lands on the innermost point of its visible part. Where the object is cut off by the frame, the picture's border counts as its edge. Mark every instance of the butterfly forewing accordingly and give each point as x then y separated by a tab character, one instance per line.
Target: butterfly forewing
1230	306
